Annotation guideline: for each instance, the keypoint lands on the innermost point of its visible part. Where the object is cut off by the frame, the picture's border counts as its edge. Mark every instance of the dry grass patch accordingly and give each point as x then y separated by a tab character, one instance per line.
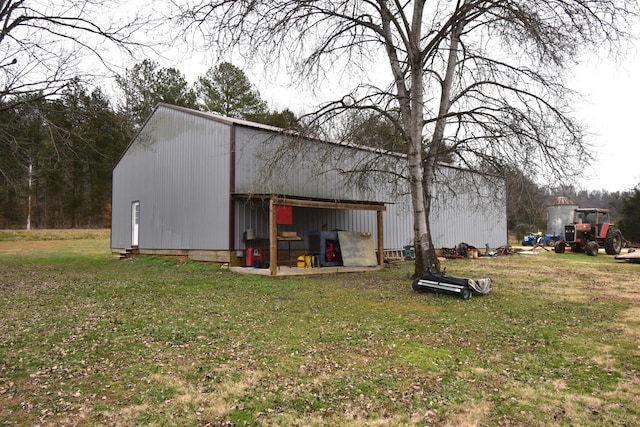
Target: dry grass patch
470	414
630	321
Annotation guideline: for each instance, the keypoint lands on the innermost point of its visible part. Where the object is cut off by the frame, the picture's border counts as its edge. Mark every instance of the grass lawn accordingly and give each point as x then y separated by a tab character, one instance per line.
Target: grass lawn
86	339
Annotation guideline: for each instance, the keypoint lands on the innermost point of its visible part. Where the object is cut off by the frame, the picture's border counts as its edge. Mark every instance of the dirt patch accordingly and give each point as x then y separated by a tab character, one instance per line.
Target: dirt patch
47	245
89	246
53	234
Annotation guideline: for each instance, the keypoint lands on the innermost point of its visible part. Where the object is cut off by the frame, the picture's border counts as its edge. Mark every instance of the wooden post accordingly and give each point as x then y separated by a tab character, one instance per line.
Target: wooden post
380	238
273	239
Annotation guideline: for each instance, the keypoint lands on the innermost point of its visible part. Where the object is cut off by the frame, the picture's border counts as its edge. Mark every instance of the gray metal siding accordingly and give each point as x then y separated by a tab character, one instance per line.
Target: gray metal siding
178	168
469	208
398	224
270	163
466	207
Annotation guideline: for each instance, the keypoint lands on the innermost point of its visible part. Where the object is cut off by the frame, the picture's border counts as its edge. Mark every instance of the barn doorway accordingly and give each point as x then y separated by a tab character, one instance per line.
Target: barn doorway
135	223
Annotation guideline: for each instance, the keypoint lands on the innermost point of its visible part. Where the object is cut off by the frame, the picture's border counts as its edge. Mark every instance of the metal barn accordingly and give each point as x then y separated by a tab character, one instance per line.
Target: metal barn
219	189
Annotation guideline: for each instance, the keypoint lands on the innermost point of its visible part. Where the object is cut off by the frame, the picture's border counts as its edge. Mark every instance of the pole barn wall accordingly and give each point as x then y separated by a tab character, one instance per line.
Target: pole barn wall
267	162
178	168
468	208
273	163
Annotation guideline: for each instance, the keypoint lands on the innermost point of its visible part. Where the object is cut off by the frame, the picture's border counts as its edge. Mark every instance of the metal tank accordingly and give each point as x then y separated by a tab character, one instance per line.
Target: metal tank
559	213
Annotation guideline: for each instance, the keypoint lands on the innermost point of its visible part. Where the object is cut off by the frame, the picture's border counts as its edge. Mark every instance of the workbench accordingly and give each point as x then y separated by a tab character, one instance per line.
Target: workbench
288	239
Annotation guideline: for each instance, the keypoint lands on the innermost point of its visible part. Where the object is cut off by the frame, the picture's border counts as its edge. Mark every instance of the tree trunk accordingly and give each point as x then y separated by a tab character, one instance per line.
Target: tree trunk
431	258
430	161
426	258
423	248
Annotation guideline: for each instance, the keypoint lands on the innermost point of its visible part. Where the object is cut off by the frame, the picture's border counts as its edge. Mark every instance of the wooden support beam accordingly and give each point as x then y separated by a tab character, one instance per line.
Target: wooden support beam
273	238
380	231
318	204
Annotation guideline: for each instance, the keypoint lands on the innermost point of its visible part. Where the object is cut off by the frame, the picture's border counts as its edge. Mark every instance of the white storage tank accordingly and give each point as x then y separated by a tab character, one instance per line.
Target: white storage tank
559	213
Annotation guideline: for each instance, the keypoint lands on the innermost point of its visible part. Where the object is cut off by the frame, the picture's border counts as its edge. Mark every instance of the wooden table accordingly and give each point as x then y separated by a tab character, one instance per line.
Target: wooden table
289	239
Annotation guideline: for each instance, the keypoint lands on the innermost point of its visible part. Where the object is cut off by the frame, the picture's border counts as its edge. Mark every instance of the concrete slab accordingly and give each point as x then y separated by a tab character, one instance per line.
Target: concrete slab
295	271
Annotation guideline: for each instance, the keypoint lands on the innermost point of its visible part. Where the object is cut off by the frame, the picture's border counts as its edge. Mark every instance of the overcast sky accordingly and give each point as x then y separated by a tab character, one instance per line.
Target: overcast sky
611	92
611	112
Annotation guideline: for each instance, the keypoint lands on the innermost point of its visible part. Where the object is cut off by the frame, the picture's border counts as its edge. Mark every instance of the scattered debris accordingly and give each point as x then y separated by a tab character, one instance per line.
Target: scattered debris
504	250
533	250
539	246
451	253
464	250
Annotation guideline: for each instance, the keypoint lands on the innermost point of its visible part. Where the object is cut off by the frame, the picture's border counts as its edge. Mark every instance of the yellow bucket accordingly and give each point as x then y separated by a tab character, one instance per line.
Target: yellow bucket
308	261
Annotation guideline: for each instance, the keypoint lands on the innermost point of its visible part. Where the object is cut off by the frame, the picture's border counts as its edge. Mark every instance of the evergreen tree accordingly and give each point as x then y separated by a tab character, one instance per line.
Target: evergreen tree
146	84
20	134
225	89
284	119
629	220
71	144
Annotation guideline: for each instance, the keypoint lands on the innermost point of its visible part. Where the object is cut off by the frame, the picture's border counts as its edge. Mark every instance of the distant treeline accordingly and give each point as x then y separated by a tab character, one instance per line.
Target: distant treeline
56	158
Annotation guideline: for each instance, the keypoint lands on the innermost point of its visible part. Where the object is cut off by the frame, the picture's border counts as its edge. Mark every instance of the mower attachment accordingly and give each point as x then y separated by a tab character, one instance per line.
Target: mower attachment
441	283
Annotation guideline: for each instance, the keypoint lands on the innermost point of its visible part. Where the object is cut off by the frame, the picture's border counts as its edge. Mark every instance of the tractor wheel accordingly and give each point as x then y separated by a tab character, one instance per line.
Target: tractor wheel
559	247
613	242
592	248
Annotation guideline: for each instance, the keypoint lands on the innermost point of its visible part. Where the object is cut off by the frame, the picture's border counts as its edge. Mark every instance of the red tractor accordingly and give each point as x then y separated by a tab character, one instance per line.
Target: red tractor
591	229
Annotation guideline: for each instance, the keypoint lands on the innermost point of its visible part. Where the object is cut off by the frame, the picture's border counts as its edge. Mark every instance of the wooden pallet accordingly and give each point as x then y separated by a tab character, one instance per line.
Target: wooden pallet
394	254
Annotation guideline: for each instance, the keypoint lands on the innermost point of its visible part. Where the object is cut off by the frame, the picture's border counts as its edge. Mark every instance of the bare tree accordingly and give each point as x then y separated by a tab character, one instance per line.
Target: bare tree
43	43
482	82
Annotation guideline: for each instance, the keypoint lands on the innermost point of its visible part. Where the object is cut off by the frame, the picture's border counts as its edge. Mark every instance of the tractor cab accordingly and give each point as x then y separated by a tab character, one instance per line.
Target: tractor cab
591	216
591	221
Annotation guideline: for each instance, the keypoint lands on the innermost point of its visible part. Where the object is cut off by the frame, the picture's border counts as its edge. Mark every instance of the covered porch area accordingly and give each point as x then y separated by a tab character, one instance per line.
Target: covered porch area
307	238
